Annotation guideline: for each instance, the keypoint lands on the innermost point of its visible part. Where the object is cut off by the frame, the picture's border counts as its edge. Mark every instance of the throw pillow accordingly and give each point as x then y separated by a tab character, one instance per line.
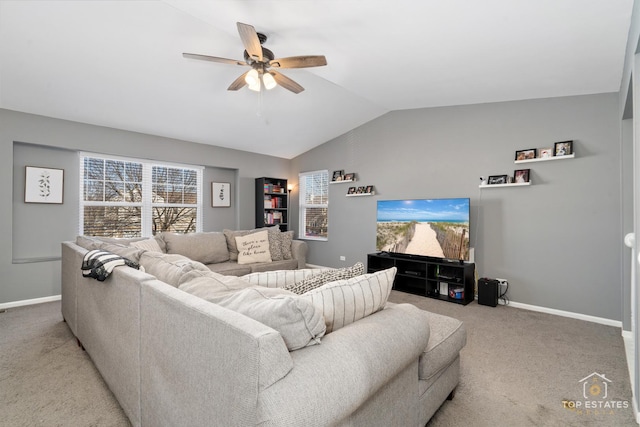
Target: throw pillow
232	247
287	238
275	242
328	275
345	301
298	321
253	248
148	245
281	278
205	247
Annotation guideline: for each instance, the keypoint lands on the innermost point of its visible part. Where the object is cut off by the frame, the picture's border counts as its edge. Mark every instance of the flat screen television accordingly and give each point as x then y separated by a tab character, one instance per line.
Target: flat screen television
435	228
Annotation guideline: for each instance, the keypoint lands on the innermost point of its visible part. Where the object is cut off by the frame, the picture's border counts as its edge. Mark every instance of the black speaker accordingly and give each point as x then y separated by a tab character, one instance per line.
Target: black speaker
488	292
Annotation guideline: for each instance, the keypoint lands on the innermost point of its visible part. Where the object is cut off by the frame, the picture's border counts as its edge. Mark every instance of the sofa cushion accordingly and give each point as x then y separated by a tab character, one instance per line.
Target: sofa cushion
209	285
285	264
124	251
230	268
148	245
345	301
169	268
448	337
253	248
328	275
298	321
207	247
96	242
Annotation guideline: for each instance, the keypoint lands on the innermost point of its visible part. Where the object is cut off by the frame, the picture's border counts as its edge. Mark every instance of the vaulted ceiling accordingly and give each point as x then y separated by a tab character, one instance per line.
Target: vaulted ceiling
119	63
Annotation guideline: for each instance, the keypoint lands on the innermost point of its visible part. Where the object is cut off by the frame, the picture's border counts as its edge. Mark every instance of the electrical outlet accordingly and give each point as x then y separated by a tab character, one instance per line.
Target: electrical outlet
343	258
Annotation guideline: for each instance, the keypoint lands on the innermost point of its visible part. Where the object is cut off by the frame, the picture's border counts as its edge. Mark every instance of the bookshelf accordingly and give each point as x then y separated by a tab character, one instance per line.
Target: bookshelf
272	203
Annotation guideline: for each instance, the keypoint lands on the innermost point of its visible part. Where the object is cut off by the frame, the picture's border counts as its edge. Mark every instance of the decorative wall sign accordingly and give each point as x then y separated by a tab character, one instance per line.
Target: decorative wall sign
43	185
220	194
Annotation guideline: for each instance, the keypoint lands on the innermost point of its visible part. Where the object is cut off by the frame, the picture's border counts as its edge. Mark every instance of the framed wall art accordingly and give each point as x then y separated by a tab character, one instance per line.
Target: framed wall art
498	179
220	194
529	154
563	148
43	185
522	175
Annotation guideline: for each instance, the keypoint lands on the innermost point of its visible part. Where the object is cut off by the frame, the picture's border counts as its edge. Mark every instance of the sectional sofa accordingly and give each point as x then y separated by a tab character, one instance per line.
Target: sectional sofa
179	344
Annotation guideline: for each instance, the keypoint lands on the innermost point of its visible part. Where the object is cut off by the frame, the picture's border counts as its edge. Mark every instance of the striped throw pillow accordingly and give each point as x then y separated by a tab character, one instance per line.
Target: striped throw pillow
345	301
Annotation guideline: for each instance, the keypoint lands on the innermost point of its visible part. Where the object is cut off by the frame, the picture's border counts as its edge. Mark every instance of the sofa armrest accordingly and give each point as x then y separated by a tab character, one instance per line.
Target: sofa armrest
299	250
202	363
347	369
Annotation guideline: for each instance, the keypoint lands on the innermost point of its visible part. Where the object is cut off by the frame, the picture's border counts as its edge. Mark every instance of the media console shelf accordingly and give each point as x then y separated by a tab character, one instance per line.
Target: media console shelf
433	278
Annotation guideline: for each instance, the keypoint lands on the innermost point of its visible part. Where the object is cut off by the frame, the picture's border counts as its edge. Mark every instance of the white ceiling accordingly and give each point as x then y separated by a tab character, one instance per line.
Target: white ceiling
119	63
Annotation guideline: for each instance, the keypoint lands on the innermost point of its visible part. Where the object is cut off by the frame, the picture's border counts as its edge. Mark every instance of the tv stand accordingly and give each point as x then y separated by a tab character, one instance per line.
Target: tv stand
433	278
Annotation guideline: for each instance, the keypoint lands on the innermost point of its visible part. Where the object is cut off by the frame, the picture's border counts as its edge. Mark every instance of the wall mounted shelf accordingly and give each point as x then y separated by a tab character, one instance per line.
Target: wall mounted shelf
342	182
513	184
361	194
545	159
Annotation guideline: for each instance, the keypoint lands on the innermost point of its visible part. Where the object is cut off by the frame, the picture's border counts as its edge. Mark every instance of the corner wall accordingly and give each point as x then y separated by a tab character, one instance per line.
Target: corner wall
558	242
54	143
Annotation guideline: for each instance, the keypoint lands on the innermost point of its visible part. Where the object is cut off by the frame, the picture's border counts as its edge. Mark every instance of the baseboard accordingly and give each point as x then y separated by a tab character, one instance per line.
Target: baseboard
6	305
570	314
315	266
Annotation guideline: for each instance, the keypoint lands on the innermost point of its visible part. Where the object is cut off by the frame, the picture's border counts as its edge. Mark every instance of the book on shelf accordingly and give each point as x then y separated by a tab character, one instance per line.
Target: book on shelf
273	188
273	202
273	217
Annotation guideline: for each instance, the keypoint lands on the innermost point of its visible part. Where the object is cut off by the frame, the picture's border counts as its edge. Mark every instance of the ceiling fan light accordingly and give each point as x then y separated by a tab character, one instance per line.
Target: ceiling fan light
252	79
269	81
255	86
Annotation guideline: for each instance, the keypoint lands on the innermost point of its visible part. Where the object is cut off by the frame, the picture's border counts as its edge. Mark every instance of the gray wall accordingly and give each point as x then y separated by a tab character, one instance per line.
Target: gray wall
558	242
34	231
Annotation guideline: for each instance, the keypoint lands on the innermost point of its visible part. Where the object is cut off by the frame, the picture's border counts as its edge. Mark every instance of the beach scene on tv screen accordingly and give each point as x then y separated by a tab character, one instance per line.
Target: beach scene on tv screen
430	227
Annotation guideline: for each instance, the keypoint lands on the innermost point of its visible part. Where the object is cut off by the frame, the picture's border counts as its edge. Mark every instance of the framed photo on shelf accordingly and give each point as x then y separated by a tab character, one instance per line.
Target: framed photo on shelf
545	153
220	194
360	190
528	154
498	179
522	175
43	185
369	189
563	148
352	190
338	175
349	176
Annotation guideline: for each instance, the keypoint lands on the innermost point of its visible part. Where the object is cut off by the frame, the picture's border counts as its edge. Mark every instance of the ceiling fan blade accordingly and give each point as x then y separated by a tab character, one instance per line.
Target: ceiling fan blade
299	61
286	82
238	83
213	59
250	40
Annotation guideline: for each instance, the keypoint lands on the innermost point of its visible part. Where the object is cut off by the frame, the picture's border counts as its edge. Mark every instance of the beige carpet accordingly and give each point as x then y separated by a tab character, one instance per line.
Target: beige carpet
517	368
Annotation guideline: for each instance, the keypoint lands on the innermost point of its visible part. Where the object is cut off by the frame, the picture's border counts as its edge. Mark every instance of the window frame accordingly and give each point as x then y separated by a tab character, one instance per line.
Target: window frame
146	205
303	205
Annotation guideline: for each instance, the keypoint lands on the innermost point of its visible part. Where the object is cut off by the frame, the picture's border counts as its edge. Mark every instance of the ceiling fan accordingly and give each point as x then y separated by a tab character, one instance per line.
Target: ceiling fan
261	60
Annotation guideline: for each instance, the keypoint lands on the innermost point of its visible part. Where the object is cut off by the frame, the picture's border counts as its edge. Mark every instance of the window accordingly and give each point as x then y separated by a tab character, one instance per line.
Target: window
136	198
314	205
